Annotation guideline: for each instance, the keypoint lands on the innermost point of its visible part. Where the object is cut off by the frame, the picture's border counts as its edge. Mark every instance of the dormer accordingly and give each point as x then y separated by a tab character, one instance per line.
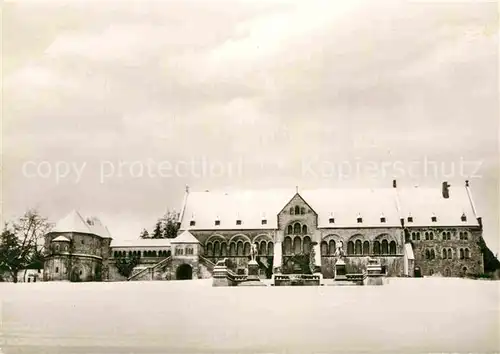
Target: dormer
331	219
382	218
192	222
433	217
263	219
217	221
463	217
359	218
410	218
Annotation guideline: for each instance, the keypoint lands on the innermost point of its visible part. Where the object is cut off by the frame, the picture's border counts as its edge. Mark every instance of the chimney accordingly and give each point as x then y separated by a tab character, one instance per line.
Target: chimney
446	191
480	222
394	183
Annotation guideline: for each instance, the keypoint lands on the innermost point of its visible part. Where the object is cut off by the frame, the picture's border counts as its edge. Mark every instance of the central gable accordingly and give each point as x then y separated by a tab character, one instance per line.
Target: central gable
297	209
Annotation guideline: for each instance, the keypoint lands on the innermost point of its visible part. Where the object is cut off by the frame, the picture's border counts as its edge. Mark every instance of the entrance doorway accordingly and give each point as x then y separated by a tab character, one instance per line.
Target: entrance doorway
184	272
418	272
76	275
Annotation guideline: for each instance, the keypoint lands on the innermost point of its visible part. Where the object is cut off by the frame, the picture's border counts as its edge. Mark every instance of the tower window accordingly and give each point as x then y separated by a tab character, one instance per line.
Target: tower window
192	223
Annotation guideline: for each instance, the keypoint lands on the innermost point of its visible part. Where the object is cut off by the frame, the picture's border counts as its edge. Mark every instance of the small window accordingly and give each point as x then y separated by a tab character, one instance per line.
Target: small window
217	222
83	241
192	223
297	210
463	217
264	222
434	219
431	271
359	220
302	210
238	222
331	220
57	269
410	218
291	211
382	219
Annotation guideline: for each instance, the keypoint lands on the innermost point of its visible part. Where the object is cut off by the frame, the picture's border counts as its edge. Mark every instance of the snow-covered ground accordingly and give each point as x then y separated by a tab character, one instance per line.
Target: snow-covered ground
405	316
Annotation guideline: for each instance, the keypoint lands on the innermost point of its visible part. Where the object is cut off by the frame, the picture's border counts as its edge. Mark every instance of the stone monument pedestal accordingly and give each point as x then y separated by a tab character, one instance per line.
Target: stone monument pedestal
374	275
340	270
253	278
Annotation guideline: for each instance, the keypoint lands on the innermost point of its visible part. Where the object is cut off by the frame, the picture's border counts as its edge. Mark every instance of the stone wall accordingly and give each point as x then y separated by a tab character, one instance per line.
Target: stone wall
74	268
393	265
453	267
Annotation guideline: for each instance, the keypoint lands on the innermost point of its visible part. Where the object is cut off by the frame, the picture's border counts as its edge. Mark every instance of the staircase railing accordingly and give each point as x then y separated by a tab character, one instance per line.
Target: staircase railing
147	269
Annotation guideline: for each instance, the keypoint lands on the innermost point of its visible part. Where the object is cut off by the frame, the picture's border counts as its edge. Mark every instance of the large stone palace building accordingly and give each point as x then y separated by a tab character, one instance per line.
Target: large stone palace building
412	232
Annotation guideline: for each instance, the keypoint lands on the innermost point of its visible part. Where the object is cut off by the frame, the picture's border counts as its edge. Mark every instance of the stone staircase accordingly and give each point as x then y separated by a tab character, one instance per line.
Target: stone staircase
147	273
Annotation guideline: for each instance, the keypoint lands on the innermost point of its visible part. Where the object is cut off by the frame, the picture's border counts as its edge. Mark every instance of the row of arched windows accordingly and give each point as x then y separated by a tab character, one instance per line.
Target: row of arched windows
180	251
360	248
296	229
447	253
445	235
297	246
161	253
297	210
240	248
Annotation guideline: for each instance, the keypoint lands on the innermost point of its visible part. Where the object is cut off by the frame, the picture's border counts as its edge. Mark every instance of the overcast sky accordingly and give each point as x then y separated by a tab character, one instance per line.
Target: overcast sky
266	93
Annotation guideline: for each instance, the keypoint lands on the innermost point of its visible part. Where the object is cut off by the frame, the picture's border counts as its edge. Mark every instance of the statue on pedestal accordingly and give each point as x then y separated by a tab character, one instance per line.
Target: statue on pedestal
339	252
253	252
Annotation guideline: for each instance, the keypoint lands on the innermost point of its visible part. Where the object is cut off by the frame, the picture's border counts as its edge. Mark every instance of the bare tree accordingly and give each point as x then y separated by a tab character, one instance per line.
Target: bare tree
21	244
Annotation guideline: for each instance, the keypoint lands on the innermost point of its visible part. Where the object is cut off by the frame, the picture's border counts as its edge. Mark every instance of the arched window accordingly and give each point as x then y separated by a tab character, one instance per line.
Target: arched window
418	236
461	253
431	235
450	254
414	236
223	249
216	249
302	210
115	254
154	254
376	247
444	254
232	249
447	272
297	245
385	247
427	254
466	236
324	248
287	246
431	271
358	247
350	247
464	271
366	248
270	249
130	253
433	254
239	248
306	245
332	247
247	249
262	249
296	228
291	211
289	230
392	247
297	210
466	252
304	229
427	236
210	251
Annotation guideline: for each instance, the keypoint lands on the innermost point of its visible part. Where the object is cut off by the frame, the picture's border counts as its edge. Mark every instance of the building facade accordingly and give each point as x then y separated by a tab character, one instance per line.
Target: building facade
411	231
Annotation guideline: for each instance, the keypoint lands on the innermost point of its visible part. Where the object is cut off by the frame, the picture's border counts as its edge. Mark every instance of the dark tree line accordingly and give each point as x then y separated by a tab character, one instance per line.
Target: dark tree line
166	227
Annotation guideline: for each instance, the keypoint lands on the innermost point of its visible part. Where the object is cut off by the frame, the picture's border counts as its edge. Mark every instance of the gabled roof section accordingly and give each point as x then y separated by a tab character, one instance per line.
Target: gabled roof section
294	198
74	222
185	237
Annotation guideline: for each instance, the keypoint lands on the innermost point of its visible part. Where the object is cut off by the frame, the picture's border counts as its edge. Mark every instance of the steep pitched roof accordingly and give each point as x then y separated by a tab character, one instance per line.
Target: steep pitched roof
344	205
423	203
185	237
60	238
74	222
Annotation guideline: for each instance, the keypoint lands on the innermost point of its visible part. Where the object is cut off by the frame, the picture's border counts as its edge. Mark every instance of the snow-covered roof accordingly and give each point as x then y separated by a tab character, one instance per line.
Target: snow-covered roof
142	243
345	206
185	237
60	239
424	203
74	222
